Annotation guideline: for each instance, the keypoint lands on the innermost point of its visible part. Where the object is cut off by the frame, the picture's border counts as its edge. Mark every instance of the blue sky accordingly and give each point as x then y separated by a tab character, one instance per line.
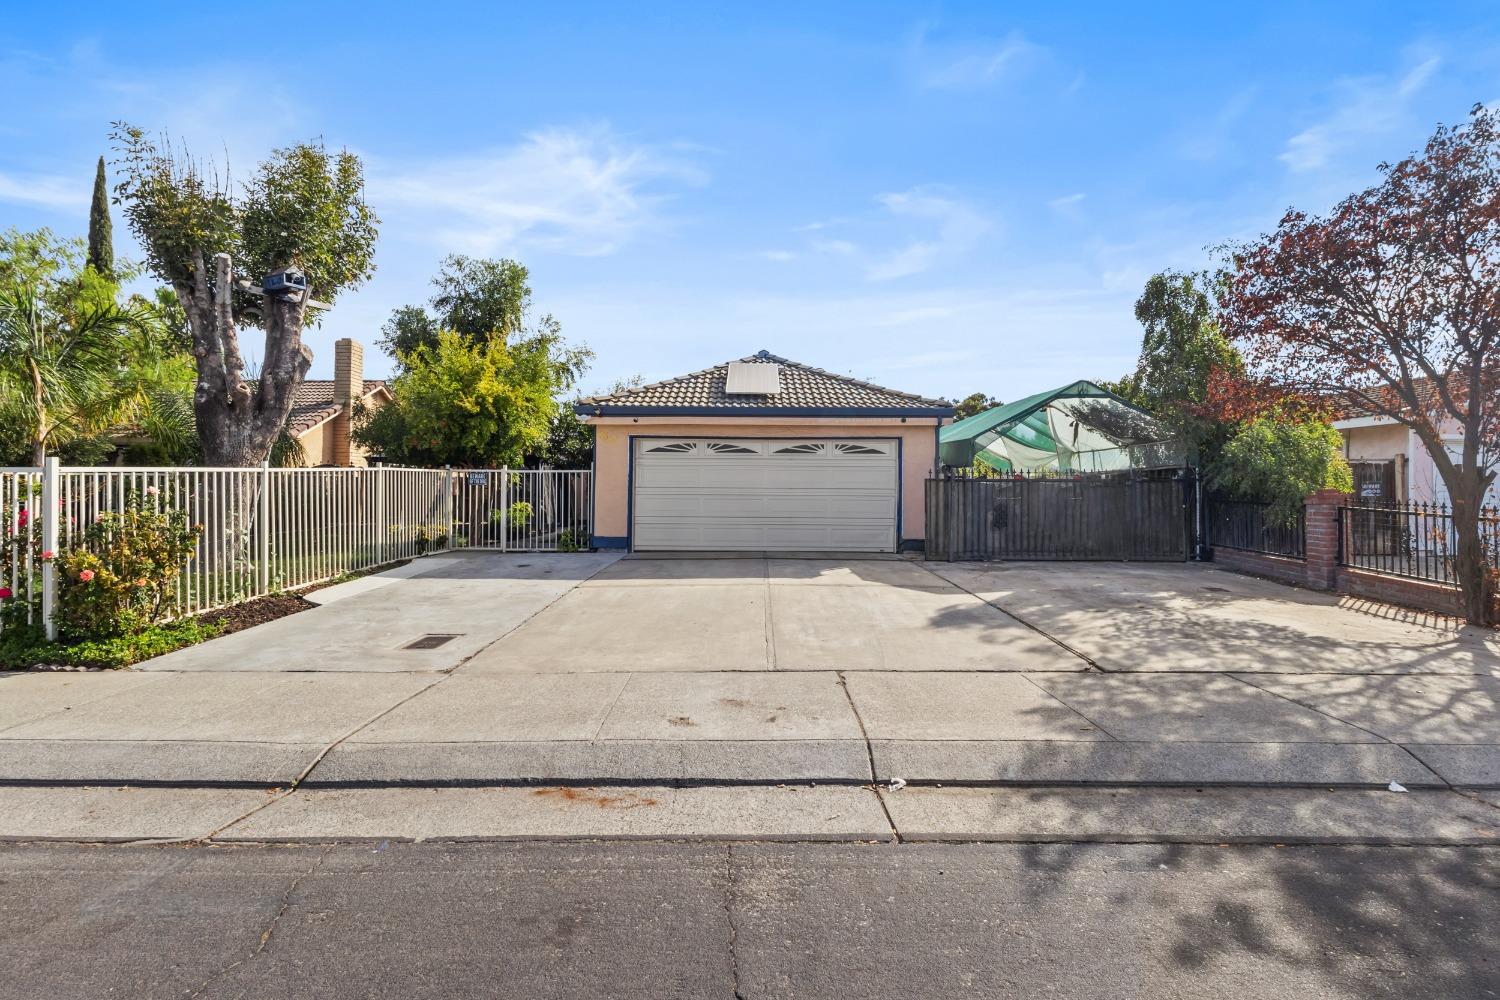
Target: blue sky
945	198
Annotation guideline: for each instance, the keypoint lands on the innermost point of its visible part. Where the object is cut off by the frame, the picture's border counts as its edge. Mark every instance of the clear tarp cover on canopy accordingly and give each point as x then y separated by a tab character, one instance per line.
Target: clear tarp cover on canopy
1078	428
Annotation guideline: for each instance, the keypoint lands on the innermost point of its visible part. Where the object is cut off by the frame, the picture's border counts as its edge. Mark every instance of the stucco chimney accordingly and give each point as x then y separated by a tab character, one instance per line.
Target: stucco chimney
348	386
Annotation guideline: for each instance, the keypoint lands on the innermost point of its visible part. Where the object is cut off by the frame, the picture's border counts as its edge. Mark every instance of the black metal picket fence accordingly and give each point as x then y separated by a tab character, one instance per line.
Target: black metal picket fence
1255	526
1414	540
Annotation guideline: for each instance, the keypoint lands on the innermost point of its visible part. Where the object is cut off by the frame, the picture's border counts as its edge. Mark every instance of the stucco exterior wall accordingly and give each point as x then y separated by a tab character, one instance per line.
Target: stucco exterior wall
918	436
1375	443
318	444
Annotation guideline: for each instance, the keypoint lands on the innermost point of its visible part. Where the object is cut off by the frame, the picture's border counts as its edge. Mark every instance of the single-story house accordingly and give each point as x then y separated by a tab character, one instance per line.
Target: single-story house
322	409
1389	460
762	454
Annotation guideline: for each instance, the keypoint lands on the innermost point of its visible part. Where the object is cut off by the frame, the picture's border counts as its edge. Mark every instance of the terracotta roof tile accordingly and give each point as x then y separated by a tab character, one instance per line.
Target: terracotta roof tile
802	387
312	403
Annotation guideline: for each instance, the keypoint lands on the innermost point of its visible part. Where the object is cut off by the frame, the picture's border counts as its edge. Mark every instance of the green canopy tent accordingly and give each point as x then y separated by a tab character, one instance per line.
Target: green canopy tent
1077	428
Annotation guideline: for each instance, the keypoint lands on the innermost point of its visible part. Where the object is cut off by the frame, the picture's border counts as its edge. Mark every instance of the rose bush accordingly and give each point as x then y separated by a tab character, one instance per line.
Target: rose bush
120	578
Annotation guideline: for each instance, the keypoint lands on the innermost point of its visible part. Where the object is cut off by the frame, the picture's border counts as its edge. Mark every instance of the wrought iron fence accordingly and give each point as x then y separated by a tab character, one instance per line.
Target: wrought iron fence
264	530
1415	540
1255	526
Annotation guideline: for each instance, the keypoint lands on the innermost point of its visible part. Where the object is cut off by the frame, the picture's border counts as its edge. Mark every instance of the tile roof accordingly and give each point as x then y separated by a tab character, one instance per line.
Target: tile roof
313	403
1426	393
802	388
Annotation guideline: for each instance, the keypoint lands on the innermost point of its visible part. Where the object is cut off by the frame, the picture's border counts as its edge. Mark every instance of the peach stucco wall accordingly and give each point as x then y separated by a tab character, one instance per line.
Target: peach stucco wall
612	455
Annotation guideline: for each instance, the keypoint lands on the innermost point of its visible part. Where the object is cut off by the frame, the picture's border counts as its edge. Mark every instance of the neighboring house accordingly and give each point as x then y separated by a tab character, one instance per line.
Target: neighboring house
1389	460
322	409
762	454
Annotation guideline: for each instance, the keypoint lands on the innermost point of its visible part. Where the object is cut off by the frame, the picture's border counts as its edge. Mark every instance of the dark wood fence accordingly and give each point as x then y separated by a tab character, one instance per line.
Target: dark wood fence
1102	518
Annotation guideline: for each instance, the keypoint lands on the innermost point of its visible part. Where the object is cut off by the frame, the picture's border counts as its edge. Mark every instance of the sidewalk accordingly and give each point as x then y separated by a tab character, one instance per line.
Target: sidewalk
863	700
749	727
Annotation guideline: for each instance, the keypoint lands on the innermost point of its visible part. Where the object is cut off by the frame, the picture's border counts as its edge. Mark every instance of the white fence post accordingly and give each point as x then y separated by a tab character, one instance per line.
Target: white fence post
505	508
448	506
379	514
52	515
263	527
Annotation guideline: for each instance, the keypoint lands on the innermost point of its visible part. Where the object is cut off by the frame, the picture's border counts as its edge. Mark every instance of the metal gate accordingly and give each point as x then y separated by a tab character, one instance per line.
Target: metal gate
530	510
1145	517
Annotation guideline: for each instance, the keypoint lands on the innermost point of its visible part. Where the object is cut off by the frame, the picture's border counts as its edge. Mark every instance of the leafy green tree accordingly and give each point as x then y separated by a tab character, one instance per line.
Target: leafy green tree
38	259
59	369
471	403
101	230
409	328
1182	351
974	403
1283	461
303	208
478	299
570	441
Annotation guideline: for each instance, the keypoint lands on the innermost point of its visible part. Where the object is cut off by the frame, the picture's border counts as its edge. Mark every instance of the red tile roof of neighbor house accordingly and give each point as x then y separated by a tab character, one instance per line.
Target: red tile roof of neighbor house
802	387
313	403
1426	393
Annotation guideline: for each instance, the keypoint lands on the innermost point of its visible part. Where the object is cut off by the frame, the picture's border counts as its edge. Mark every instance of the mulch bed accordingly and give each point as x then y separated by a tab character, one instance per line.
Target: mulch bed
257	612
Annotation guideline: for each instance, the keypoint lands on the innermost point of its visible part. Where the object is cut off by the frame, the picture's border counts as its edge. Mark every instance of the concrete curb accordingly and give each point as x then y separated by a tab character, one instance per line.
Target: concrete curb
178	763
1324	765
619	762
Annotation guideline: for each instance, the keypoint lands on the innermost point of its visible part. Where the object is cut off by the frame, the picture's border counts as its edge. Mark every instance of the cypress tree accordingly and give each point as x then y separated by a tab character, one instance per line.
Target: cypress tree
101	231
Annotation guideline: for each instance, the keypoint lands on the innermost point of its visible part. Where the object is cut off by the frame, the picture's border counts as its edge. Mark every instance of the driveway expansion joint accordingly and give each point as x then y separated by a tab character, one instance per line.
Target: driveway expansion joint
1015	617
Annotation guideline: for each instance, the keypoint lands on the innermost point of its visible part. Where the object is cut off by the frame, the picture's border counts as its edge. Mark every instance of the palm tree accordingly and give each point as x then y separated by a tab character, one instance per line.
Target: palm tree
61	369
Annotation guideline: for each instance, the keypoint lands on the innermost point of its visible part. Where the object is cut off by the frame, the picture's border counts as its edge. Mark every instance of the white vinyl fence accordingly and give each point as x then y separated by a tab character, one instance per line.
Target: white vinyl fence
264	530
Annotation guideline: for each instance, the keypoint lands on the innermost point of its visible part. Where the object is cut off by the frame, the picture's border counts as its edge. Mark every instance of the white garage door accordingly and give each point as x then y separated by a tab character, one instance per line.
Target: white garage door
777	495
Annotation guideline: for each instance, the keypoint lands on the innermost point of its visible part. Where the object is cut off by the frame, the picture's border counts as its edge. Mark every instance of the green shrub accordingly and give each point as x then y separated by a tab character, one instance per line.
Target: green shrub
571	541
429	538
518	515
23	647
121	577
1283	461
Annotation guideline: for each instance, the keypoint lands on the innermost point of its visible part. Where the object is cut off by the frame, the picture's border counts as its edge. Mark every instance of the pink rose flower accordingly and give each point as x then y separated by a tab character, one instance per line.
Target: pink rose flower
6	593
48	554
142	582
86	575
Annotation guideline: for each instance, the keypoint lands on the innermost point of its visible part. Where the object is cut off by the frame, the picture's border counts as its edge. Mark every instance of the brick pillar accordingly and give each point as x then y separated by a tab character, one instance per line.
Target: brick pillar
348	386
1323	538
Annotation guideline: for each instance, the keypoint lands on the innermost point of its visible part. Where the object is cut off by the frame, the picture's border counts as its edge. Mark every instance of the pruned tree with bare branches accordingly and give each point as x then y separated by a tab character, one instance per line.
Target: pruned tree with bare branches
214	243
1390	303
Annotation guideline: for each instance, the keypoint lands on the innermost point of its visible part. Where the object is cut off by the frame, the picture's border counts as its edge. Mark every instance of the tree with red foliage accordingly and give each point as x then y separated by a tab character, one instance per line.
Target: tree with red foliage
1390	304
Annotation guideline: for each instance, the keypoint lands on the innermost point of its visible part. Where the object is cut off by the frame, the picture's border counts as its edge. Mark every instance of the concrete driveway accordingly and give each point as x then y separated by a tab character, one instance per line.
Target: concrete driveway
600	613
585	668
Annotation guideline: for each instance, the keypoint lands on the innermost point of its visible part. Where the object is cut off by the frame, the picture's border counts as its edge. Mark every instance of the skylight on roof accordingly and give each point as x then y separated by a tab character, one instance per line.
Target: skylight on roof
751	379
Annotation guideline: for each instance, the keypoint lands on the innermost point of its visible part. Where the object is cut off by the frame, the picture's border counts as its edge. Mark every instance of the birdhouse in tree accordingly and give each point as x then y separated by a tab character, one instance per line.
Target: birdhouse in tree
287	282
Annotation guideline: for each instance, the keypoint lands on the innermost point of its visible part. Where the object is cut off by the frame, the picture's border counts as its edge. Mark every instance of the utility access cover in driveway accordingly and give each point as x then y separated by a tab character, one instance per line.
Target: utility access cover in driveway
431	641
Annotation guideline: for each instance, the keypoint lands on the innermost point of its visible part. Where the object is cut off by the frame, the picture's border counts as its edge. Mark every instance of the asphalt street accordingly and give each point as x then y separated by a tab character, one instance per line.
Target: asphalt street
535	920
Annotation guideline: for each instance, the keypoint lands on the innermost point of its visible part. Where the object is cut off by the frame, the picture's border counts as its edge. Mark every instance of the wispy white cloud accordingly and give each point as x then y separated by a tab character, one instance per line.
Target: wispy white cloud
839	248
1365	106
778	255
1212	136
45	191
1069	206
1011	343
958	227
584	192
969	64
